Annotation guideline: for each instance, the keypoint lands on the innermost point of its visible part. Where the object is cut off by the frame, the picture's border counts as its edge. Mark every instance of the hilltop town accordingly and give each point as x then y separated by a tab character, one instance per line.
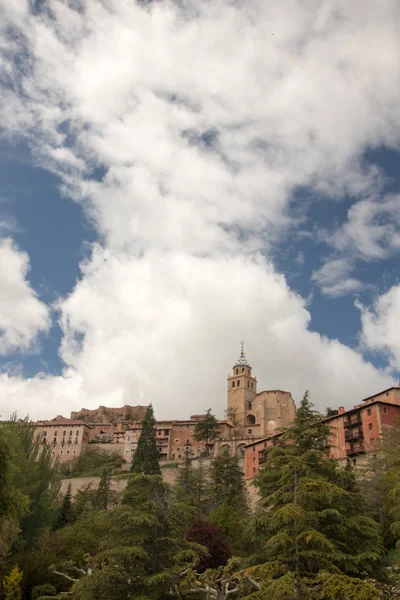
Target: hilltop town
253	423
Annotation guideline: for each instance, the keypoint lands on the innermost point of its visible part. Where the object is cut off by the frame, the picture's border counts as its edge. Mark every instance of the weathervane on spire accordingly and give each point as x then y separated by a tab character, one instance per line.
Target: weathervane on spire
242	360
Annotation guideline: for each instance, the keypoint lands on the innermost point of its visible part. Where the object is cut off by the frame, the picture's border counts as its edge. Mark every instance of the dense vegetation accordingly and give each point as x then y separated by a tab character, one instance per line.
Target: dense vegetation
319	530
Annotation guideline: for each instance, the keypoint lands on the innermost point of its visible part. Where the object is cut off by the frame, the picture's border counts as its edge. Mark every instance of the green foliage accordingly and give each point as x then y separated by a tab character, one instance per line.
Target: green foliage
103	492
315	517
65	514
5	492
33	479
45	589
12	585
92	463
207	429
143	550
146	457
227	481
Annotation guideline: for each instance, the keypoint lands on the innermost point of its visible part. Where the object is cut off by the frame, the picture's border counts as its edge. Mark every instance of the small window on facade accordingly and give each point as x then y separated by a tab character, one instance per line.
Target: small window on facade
254	469
55	433
385	410
61	451
64	433
74	451
237	371
249	431
254	448
67	451
54	440
233	384
248	384
370	426
251	385
53	452
242	370
44	433
77	433
369	412
238	383
179	456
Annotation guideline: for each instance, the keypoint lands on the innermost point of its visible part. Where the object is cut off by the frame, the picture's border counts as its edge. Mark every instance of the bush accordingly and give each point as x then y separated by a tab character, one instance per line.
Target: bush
210	536
44	590
92	463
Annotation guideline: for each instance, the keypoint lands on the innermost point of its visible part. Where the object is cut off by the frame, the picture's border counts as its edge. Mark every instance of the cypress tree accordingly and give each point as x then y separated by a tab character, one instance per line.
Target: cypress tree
103	492
146	457
65	514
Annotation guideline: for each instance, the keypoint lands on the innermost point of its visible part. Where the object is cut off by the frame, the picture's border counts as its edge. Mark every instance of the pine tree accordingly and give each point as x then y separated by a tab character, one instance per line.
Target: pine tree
65	513
315	517
5	500
146	457
12	585
227	480
144	551
207	430
103	492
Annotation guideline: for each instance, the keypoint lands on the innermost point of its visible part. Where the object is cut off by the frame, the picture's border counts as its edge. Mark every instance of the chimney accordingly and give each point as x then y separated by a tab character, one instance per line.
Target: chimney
340	410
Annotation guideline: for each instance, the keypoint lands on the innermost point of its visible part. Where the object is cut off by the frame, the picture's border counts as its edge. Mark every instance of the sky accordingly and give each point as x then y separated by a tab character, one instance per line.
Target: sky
179	176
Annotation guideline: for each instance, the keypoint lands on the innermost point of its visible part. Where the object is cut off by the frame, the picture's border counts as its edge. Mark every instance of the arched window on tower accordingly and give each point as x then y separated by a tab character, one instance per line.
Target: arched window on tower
233	384
248	384
251	420
237	371
243	370
238	382
251	385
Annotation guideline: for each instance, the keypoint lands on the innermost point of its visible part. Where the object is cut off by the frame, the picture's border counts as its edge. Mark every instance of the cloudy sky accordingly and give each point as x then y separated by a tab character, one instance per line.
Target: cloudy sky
177	176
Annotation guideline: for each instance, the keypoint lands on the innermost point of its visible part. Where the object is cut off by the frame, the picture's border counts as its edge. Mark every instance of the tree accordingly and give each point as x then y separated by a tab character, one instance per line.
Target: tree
206	430
103	492
5	495
315	517
65	513
45	589
143	551
146	457
227	480
12	585
209	535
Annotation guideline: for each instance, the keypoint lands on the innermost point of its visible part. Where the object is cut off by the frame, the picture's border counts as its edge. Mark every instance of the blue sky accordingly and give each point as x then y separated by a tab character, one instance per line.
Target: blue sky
166	191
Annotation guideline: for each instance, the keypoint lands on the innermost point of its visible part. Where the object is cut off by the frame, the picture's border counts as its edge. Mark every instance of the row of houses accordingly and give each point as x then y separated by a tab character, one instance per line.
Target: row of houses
353	433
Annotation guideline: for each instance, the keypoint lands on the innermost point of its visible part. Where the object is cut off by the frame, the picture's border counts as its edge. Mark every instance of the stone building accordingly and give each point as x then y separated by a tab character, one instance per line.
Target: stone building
257	414
250	415
68	438
354	432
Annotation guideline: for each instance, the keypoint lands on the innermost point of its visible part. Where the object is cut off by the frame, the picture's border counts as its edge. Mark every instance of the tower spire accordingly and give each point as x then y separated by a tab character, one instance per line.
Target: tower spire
242	360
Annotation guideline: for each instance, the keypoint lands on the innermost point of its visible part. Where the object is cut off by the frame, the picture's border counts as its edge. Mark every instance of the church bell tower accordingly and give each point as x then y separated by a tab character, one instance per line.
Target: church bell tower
242	390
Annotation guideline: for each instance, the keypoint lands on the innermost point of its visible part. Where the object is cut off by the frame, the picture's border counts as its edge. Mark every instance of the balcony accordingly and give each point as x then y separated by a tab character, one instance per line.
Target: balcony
354	434
353	422
356	449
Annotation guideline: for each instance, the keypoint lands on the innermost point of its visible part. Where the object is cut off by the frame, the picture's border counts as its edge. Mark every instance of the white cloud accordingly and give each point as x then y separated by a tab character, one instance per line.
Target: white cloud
370	233
334	278
380	326
204	123
167	328
22	314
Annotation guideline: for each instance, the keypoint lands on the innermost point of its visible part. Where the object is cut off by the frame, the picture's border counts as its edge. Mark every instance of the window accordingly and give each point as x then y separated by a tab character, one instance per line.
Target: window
54	440
64	433
70	433
248	384
371	426
251	385
55	433
238	383
237	371
369	412
249	405
254	448
61	451
67	451
385	410
77	433
242	370
249	431
44	433
233	384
